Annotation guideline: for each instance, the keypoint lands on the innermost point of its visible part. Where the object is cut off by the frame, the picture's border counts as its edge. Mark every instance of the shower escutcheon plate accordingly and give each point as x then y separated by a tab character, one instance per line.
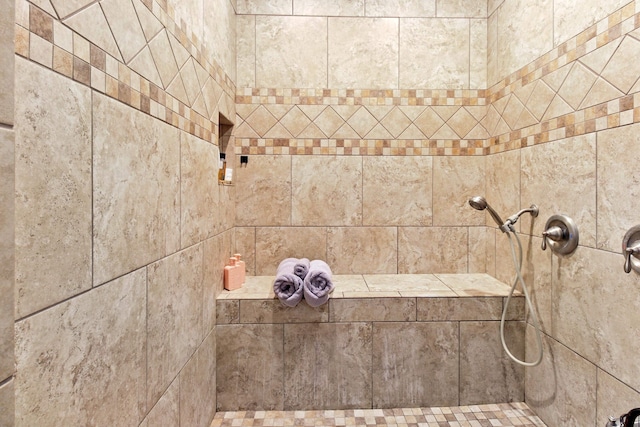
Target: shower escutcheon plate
560	234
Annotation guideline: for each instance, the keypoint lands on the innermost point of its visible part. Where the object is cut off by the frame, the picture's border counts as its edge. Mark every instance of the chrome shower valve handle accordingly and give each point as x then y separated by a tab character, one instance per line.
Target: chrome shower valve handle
631	250
554	233
560	234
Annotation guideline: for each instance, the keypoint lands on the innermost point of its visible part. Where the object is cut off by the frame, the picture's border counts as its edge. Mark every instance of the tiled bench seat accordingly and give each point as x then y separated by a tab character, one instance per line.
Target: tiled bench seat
382	341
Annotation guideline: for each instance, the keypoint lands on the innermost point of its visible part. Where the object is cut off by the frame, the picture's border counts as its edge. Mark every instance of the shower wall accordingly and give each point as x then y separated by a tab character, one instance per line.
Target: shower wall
121	227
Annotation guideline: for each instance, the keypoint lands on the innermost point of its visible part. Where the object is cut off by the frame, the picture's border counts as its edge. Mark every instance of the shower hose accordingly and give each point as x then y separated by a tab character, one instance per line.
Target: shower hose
517	262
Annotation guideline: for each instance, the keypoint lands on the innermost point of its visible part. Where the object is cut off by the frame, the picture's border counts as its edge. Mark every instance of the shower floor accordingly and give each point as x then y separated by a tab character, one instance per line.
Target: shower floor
494	415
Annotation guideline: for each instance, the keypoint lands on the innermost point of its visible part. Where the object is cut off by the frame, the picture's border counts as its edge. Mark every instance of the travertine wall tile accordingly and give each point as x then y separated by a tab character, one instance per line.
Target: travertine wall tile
455	309
291	51
167	409
53	188
503	186
7	58
249	366
174	317
461	8
274	311
198	386
329	7
136	221
246	50
565	186
478	248
487	374
219	34
198	189
352	44
415	364
397	190
227	311
429	250
371	250
64	358
584	286
455	180
245	245
277	243
617	191
261	7
318	373
7	403
401	8
373	310
561	390
478	39
7	253
569	18
434	53
263	191
330	195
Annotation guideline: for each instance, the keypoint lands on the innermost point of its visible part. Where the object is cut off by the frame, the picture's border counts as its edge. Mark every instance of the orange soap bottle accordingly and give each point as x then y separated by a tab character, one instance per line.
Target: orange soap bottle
232	275
241	264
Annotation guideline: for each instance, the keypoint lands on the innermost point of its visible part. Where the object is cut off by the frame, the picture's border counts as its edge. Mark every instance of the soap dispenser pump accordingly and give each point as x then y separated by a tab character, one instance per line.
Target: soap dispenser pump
233	275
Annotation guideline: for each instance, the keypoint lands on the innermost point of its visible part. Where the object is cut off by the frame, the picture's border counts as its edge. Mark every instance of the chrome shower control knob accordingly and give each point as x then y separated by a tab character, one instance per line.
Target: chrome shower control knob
560	234
631	250
554	233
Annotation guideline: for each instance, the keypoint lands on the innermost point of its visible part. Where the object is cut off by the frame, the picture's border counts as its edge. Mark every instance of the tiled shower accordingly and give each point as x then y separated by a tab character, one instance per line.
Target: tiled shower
368	124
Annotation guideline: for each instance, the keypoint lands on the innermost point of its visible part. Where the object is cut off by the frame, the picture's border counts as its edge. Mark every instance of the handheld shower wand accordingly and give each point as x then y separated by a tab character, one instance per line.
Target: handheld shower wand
480	203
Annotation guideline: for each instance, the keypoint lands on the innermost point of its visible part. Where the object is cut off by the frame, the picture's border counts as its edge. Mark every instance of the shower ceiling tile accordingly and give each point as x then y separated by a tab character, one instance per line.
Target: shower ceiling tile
462	122
577	85
261	120
362	121
429	122
395	122
150	24
92	24
624	68
295	121
164	60
143	64
602	91
125	27
329	121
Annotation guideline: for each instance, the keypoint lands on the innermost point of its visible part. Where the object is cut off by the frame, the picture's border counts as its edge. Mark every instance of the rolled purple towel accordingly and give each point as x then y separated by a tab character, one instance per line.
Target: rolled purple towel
318	284
301	268
288	287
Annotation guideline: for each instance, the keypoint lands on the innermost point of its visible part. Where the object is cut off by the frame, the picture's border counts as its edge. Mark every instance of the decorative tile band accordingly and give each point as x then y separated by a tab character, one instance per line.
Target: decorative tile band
188	91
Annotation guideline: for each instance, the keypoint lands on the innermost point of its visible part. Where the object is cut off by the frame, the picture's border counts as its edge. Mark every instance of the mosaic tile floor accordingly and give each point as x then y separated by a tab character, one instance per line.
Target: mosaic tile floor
495	415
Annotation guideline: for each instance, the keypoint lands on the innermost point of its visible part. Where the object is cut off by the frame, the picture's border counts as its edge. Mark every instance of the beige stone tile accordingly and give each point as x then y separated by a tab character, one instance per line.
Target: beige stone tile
7	58
219	34
174	317
349	283
149	23
164	59
167	409
570	20
461	8
136	221
562	389
585	287
487	374
434	53
517	20
540	99
326	190
92	24
474	285
125	26
613	397
400	8
368	294
492	50
503	185
227	311
456	309
559	184
66	7
250	367
66	360
273	244
455	180
273	311
318	373
198	189
429	250
492	5
415	364
479	238
403	282
7	403
53	188
478	40
329	8
352	44
617	193
263	191
246	48
360	250
261	7
291	51
7	252
216	252
397	190
373	310
198	385
255	287
578	83
245	238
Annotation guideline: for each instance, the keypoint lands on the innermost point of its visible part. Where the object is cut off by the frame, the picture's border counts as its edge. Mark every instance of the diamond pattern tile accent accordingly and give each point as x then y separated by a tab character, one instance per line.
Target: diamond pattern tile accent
345	111
429	122
190	81
623	69
556	78
540	99
362	121
445	132
143	64
577	85
329	121
602	91
412	132
278	110
462	122
261	120
124	24
312	111
177	90
557	108
395	122
445	112
512	111
379	132
166	63
278	131
92	24
150	24
312	131
295	121
597	59
346	132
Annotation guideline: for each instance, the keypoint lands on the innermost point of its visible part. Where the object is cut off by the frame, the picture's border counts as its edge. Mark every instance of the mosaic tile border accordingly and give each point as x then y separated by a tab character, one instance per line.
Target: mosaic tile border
504	414
42	38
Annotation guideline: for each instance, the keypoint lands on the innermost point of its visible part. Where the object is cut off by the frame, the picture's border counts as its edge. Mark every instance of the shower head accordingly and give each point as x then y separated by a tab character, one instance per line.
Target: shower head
480	203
